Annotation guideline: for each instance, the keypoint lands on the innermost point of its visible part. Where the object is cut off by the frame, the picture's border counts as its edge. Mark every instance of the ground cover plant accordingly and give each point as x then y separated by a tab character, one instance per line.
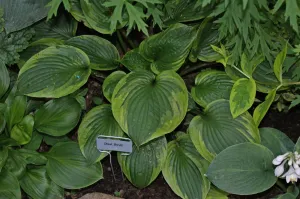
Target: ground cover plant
188	81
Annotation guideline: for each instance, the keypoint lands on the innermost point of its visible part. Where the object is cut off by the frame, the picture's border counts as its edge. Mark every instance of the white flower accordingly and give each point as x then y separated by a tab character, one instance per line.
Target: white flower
292	178
280	158
297	171
279	170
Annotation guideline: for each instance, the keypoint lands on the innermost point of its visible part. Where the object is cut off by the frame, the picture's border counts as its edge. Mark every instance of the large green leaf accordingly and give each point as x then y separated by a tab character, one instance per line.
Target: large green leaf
133	60
37	184
9	186
215	193
68	168
54	72
21	14
242	96
111	82
148	106
15	163
262	109
103	55
216	129
144	164
211	85
35	142
168	50
60	28
22	131
98	121
58	116
94	10
184	169
243	169
4	79
207	35
16	111
3	156
275	140
184	11
77	12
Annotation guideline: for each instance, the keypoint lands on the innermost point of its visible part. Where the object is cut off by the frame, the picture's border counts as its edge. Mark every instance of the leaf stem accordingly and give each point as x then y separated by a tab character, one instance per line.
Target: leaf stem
236	68
196	67
131	44
291	83
122	43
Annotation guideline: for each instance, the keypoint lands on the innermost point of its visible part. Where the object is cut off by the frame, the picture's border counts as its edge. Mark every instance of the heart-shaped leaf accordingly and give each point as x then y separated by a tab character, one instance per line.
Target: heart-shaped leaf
243	169
133	60
102	54
216	129
111	82
275	140
37	184
68	168
58	117
98	121
22	131
9	186
211	85
148	106
144	164
184	169
54	72
168	50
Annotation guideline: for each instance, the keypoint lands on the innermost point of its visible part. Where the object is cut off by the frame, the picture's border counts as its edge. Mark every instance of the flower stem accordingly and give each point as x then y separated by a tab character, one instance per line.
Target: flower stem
281	185
236	68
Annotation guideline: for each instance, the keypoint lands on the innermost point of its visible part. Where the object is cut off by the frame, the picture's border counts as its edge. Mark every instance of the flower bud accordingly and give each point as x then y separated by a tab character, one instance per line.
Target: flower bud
279	170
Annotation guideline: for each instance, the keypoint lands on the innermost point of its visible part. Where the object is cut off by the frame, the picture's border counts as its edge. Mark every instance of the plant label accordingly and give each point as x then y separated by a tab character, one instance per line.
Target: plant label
110	143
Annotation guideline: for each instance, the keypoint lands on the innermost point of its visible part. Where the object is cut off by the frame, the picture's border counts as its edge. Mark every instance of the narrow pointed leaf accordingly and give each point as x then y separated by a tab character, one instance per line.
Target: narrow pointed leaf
216	129
279	62
22	132
16	111
148	106
211	85
261	110
242	96
102	54
98	121
243	169
54	72
144	164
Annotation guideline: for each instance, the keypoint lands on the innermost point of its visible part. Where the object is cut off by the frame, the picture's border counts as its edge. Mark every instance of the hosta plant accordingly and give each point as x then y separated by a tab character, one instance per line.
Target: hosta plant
189	82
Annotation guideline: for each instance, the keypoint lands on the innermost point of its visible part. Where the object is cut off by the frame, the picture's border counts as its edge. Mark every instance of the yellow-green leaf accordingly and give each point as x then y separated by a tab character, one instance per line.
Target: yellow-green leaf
279	62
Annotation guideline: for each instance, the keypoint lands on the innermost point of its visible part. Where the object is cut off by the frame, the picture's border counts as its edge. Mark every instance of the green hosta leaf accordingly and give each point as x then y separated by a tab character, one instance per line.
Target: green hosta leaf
2	22
242	96
162	104
243	169
32	157
9	186
54	72
93	11
3	157
261	110
35	142
215	193
111	82
279	62
20	15
215	129
297	146
133	60
15	163
275	140
37	184
59	28
58	117
68	168
184	169
12	44
207	35
4	79
98	121
211	85
77	12
144	164
51	140
54	5
103	55
2	122
16	111
168	50
22	131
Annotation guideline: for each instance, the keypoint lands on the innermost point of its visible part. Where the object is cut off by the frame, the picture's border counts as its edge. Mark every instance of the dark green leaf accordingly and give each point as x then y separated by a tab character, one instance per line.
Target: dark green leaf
111	82
133	60
9	186
4	79
22	131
